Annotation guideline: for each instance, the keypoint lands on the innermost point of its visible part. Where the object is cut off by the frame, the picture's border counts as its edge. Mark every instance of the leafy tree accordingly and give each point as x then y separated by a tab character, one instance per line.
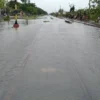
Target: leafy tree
97	2
61	11
2	3
94	3
11	4
72	9
28	8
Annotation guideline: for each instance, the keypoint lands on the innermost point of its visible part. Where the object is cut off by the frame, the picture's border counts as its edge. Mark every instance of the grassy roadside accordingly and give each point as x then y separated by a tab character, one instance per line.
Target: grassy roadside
30	17
7	18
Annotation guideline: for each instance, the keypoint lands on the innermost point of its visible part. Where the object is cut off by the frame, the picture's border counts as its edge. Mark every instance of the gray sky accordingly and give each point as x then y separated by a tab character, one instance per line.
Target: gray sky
54	5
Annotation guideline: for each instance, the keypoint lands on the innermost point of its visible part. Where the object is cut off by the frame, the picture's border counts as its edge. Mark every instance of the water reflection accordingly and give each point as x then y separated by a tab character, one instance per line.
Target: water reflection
9	25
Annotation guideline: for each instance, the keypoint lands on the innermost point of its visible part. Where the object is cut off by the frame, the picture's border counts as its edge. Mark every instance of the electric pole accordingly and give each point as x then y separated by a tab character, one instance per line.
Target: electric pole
16	25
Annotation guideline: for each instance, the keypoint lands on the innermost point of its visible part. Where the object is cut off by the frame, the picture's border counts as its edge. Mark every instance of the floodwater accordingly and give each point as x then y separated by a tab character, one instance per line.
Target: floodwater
49	61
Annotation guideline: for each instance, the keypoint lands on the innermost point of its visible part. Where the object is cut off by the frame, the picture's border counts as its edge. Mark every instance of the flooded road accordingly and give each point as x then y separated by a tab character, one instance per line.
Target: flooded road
49	60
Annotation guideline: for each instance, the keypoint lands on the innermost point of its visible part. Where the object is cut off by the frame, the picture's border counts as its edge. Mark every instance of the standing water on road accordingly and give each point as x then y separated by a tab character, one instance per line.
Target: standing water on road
49	61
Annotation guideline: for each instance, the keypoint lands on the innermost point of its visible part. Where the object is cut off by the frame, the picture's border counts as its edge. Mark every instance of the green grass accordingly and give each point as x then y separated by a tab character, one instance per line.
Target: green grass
7	18
30	17
94	17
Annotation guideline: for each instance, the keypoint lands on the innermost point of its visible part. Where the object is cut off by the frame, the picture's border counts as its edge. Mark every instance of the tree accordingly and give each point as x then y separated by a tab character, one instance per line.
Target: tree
31	8
11	4
97	2
24	1
27	8
61	11
2	3
72	8
94	3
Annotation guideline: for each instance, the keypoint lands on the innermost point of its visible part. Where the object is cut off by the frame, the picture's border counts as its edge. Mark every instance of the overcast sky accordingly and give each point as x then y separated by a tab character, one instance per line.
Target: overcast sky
54	5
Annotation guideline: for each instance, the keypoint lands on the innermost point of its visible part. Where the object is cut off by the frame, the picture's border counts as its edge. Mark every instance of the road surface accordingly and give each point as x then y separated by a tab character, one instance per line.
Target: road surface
49	61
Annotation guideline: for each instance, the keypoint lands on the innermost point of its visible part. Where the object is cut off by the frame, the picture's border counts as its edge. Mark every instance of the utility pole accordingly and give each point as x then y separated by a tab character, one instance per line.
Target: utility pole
89	4
16	25
28	1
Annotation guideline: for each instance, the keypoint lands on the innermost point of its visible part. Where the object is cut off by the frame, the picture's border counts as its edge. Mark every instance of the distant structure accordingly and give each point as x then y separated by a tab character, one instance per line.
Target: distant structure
28	1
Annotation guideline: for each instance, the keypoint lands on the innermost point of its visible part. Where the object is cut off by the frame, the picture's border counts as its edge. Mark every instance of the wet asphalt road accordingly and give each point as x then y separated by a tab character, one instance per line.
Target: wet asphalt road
49	61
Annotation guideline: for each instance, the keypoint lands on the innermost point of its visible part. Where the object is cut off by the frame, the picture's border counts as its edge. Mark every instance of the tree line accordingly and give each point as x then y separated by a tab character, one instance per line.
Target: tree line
26	7
90	13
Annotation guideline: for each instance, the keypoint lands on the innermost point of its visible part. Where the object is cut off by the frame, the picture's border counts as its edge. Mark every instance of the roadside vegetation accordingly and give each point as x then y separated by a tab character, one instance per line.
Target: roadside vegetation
92	13
25	9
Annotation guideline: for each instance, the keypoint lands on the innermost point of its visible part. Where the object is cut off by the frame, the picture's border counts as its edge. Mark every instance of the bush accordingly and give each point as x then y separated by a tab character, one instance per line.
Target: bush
7	18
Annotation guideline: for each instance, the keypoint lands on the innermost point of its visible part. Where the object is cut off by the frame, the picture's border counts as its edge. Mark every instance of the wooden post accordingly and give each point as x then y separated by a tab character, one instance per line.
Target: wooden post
16	25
